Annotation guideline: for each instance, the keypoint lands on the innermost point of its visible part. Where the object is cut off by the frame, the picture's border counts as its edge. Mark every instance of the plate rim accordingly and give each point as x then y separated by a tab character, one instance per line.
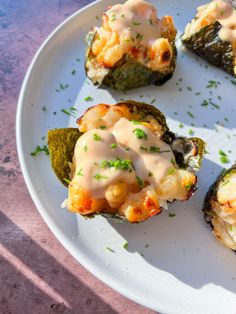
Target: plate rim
59	235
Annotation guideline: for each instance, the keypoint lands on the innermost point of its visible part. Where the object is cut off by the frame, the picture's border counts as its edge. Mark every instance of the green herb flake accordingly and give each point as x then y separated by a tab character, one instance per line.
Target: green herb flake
139	36
233	82
135	23
181	126
135	122
113	18
189	88
98	177
191	132
124	164
212	84
88	98
39	149
126	245
44	108
154	149
85	148
150	174
190	114
97	17
77	59
188	187
146	246
109	249
152	102
96	137
102	127
140	133
171	171
123	16
73	72
204	103
140	181
80	172
172	215
224	159
150	21
198	93
66	180
143	148
113	146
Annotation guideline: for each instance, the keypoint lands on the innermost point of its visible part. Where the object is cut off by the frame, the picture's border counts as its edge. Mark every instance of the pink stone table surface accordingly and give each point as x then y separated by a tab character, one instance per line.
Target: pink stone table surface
37	275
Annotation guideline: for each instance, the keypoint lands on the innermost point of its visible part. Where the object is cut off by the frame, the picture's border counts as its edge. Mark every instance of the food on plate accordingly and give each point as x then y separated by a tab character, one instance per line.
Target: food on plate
126	163
132	48
212	34
220	208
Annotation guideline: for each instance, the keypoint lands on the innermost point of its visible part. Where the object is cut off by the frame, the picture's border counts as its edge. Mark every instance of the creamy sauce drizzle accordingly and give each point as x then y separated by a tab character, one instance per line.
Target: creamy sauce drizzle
142	151
135	20
148	155
224	12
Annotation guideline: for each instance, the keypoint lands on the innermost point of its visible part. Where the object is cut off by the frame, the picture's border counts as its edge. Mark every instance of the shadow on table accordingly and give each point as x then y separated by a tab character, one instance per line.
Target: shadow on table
28	272
183	246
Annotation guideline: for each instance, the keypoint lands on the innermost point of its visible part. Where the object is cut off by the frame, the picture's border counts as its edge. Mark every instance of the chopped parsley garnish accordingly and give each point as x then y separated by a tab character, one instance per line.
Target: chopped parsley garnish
39	149
85	148
154	149
123	16
80	172
172	161
88	98
113	18
124	164
140	181
126	245
62	87
69	112
77	59
198	93
212	84
188	186
225	182
97	17
150	174
102	127
96	137
214	105
113	146
223	157
181	126
171	171
44	108
98	176
190	132
146	246
73	72
139	36
189	88
109	249
204	103
43	138
66	180
172	215
143	148
233	82
135	23
190	114
140	133
152	102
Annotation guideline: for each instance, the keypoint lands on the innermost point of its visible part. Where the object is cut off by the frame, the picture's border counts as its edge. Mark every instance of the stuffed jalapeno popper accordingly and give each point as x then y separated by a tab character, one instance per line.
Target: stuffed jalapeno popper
212	34
132	48
220	208
124	162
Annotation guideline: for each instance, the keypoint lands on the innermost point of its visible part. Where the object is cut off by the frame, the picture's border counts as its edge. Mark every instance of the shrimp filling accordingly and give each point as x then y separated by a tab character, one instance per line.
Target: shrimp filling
122	166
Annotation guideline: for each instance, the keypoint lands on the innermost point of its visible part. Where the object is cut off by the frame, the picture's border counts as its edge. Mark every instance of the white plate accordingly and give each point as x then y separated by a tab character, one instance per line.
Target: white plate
183	269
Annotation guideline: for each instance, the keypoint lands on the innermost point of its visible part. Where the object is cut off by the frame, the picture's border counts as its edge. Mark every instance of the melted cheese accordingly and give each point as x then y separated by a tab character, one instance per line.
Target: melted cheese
135	19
